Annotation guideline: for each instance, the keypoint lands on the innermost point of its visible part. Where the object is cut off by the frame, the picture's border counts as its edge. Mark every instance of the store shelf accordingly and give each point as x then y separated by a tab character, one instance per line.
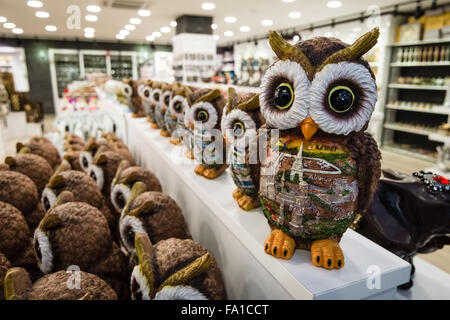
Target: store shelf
408	153
420	42
439	137
436	110
417	87
420	64
396	127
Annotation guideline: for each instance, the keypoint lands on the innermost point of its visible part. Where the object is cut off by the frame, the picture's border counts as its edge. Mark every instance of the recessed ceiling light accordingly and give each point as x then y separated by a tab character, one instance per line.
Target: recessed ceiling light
50	28
173	24
93	8
288	1
89	35
35	4
17	30
144	13
120	36
334	4
208	6
216	37
124	32
244	29
228	33
91	17
9	25
149	38
135	21
42	14
165	29
156	34
3	19
89	30
214	26
230	19
295	14
130	27
267	22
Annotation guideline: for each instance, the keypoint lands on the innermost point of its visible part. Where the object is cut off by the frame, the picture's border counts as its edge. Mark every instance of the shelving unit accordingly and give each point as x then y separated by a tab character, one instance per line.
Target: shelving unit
417	101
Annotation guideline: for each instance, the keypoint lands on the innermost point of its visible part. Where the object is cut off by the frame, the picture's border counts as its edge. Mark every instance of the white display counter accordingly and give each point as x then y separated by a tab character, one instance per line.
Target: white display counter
236	237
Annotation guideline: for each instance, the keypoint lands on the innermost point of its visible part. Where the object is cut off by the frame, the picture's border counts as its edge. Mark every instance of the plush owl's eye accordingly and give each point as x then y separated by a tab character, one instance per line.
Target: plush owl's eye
202	116
238	129
120	194
284	96
341	99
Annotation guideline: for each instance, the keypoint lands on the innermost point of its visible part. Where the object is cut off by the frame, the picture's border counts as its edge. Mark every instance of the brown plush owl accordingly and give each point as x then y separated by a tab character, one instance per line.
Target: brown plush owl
61	285
33	166
5	265
75	233
73	158
73	139
322	168
21	192
90	150
152	213
124	180
204	118
15	239
240	122
174	269
42	147
135	104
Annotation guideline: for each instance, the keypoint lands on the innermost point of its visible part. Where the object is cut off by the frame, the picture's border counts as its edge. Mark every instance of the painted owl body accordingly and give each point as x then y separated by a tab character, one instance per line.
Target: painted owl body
320	168
179	106
155	97
161	108
145	93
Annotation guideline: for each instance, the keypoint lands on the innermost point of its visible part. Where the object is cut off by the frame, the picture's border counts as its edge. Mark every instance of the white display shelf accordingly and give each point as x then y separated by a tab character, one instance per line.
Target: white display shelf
420	42
420	64
236	237
436	110
439	137
396	127
409	153
417	87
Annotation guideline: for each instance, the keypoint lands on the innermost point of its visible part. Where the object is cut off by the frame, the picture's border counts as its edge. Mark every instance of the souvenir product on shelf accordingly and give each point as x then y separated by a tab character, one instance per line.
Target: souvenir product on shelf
153	213
323	168
21	192
90	150
161	108
33	166
174	269
124	180
240	123
42	147
204	120
156	95
175	112
136	106
56	286
124	93
146	97
73	158
409	215
4	266
16	240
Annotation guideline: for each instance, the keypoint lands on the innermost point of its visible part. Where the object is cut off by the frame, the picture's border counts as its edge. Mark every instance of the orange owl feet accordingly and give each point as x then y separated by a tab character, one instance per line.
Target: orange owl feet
189	154
154	126
327	253
175	142
164	133
210	173
199	169
279	245
247	203
237	194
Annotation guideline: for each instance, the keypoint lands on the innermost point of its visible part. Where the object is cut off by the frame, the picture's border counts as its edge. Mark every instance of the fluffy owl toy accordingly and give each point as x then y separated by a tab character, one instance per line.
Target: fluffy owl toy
322	168
161	108
240	122
179	105
5	265
204	120
56	286
174	269
42	147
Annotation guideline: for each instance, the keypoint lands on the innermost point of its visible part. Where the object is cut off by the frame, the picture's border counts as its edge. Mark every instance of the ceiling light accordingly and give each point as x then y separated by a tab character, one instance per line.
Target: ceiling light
228	33
93	8
214	26
144	13
120	36
244	29
295	14
42	14
288	1
124	32
50	28
135	21
9	25
230	19
89	30
173	24
3	19
130	27
91	17
165	29
17	30
216	37
334	4
149	38
208	6
89	35
35	4
296	38
267	22
156	34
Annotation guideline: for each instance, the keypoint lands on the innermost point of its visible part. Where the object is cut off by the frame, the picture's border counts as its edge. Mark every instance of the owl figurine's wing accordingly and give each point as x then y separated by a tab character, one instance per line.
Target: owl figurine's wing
364	150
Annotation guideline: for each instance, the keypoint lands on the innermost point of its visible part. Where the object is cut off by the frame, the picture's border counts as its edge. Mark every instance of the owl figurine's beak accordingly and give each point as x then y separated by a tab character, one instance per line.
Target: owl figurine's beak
191	125
174	117
309	128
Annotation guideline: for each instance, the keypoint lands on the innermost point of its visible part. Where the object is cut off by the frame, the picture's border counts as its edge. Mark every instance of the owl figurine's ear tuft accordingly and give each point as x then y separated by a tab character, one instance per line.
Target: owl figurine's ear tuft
101	159
64	166
231	95
24	150
10	161
144	254
187	94
91	144
49	222
64	197
250	105
19	146
16	284
210	96
138	188
87	296
56	181
122	166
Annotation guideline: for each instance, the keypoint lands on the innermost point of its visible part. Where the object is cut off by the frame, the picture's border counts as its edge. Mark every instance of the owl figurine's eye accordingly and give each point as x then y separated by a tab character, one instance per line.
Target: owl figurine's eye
202	116
238	129
178	107
156	96
341	99
167	100
284	96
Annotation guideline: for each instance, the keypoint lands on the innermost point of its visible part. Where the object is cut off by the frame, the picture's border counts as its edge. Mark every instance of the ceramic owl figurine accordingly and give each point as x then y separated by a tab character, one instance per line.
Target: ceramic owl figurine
321	168
240	122
204	118
175	114
155	96
145	92
161	108
124	91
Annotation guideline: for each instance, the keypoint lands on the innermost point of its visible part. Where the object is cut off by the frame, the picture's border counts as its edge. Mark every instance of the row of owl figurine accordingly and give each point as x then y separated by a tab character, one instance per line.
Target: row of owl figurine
317	169
90	224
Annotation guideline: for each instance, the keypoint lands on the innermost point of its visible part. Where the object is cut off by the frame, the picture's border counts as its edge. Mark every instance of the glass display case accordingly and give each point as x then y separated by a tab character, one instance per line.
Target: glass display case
94	63
121	66
67	67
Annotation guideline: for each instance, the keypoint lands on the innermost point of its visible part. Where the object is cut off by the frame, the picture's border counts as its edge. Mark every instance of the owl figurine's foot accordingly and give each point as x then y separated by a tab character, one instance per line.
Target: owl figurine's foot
148	120
237	194
210	173
134	115
199	169
247	203
175	142
327	253
154	126
279	245
164	133
189	155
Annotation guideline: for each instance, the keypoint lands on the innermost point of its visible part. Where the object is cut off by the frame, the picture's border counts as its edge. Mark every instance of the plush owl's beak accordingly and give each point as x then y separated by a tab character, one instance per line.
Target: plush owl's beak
309	128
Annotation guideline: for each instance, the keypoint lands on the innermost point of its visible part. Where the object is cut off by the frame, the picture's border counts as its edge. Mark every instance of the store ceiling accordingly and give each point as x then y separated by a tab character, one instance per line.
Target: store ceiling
112	19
